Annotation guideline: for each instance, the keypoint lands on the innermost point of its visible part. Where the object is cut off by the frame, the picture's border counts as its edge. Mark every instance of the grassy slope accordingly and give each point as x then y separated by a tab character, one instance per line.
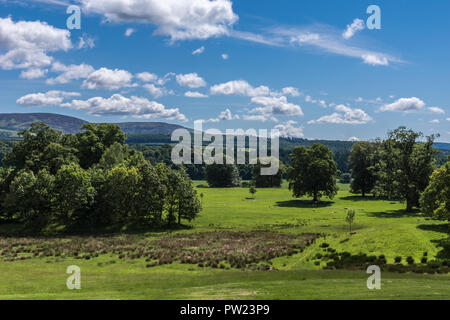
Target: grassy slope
382	228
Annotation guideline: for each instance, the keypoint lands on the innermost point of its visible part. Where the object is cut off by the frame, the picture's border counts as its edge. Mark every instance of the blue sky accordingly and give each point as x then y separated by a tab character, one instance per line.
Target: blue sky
311	69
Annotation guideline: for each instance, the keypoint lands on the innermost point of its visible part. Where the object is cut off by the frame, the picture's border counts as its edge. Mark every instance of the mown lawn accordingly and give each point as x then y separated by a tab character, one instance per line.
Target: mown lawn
382	227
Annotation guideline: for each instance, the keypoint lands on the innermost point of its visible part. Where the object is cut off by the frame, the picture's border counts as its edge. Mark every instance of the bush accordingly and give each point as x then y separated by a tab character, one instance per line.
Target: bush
410	260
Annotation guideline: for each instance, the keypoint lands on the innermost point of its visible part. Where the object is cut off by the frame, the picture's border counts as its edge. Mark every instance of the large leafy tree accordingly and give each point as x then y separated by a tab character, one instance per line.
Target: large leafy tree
361	162
313	172
222	175
435	200
41	148
267	181
74	195
31	198
92	142
405	166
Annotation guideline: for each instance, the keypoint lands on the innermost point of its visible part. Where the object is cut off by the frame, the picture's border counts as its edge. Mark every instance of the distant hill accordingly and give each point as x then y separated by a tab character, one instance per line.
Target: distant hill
16	122
11	123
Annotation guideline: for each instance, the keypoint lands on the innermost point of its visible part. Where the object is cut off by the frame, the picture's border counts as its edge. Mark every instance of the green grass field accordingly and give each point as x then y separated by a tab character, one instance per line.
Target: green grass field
381	227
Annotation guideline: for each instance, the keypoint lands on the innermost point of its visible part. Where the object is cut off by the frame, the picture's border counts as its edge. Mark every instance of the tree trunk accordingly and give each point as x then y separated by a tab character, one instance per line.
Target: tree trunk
316	198
363	193
409	205
179	219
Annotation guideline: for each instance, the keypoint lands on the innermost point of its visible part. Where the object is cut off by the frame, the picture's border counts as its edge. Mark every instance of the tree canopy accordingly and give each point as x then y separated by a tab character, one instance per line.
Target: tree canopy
313	172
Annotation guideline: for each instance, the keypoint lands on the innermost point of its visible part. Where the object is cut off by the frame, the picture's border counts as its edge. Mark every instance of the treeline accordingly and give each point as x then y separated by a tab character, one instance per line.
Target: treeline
402	167
89	181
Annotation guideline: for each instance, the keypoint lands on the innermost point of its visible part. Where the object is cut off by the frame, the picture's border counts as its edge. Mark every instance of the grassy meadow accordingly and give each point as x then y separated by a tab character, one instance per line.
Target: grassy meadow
380	228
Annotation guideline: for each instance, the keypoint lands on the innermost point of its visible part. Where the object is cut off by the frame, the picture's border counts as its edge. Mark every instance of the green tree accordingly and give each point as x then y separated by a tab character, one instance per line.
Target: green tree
361	162
94	140
41	148
313	172
222	175
31	197
74	195
435	200
265	181
252	190
350	218
405	166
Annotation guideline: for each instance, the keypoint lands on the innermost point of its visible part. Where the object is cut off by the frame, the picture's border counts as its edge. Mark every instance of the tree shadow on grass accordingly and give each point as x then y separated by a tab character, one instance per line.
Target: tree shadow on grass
395	214
443	243
303	204
359	198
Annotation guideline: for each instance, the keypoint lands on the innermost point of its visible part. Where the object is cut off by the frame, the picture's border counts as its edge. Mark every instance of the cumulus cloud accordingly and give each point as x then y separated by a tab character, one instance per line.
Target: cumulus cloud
49	98
259	117
129	32
198	51
225	56
276	106
345	115
70	72
155	91
147	77
375	59
239	87
117	104
224	116
178	19
108	79
435	121
195	94
290	91
436	110
354	139
191	80
34	73
404	105
353	28
86	42
25	44
289	130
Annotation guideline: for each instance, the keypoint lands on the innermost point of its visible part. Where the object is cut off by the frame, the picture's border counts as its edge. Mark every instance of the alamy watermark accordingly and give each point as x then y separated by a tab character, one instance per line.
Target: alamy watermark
374	281
74	280
235	152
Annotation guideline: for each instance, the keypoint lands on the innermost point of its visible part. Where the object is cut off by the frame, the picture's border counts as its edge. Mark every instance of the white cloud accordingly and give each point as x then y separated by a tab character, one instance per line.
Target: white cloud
354	139
198	51
290	91
25	44
147	77
289	130
155	91
404	105
117	104
276	106
436	110
195	94
86	42
129	32
239	87
347	115
435	121
104	78
448	119
69	73
353	28
259	117
224	116
49	98
326	38
225	56
375	59
34	73
181	20
191	80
